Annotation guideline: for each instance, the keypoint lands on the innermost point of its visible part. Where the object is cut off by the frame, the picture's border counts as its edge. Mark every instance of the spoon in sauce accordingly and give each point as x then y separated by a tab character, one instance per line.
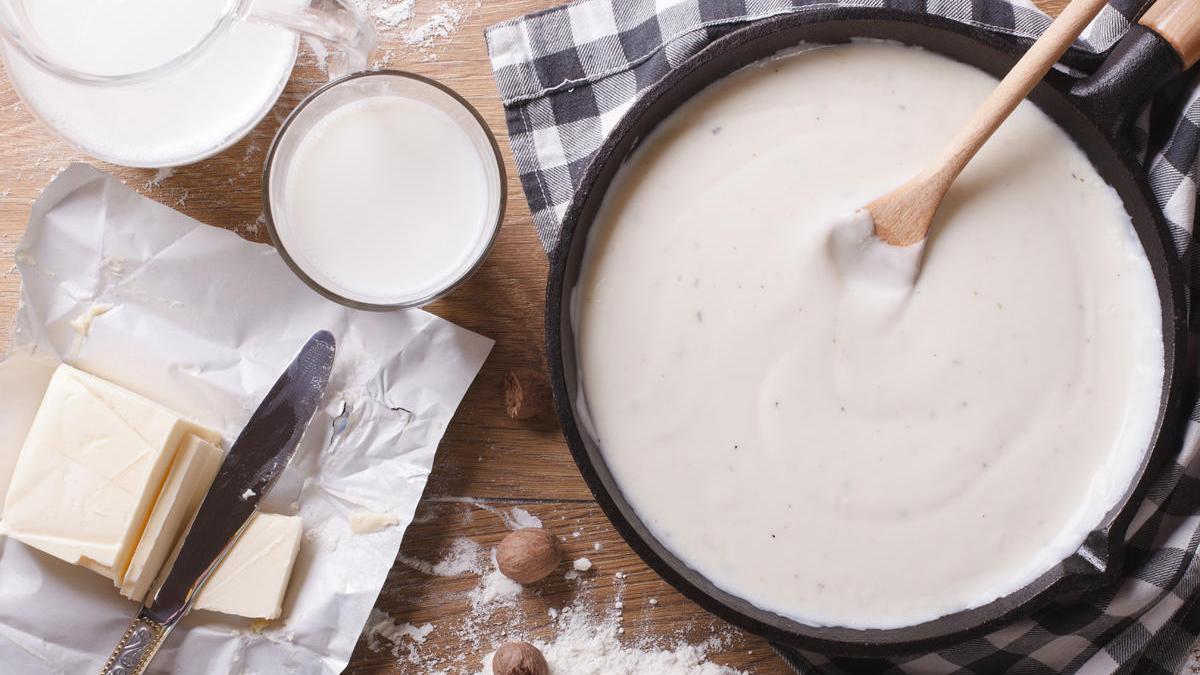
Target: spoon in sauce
886	239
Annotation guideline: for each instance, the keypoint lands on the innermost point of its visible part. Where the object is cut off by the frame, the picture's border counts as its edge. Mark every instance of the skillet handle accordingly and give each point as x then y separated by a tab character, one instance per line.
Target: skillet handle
1165	42
1178	22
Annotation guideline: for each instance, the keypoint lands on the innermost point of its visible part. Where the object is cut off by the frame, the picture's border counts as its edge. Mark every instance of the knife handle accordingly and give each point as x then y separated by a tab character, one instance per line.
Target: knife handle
137	647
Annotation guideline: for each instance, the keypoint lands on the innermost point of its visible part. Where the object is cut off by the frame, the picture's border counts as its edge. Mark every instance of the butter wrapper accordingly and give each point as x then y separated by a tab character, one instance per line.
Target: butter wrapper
204	322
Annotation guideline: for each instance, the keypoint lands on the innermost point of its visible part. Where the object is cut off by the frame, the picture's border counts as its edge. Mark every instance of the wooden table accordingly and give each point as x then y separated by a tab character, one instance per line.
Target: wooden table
485	458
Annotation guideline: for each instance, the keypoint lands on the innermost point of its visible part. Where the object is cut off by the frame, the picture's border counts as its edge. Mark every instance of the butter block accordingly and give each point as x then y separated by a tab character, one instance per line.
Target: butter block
90	470
253	579
188	481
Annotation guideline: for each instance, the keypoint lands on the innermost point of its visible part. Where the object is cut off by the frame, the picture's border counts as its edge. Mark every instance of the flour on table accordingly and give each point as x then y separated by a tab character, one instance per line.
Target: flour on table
382	628
585	638
464	556
159	177
443	24
519	519
586	644
516	519
423	34
495	588
393	15
252	229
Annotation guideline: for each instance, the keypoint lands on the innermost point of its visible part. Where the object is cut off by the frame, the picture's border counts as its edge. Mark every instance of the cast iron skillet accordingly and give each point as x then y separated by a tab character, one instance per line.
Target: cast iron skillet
1095	111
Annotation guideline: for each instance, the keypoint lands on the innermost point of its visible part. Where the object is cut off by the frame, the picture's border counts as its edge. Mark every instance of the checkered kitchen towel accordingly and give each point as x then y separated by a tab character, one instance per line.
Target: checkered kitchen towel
566	77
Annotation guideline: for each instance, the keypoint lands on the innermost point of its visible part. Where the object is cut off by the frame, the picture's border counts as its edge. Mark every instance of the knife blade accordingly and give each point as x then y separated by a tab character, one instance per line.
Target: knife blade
250	469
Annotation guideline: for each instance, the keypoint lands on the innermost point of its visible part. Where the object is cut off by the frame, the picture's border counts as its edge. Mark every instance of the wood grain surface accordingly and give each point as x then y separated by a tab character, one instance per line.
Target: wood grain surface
497	463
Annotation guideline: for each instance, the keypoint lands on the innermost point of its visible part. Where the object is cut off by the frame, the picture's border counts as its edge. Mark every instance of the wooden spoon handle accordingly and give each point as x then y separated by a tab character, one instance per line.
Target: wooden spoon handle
902	216
1178	22
1015	86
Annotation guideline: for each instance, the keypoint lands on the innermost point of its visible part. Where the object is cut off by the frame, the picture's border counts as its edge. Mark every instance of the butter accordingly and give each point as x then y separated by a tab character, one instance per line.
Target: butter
181	494
253	578
110	481
90	470
368	522
82	324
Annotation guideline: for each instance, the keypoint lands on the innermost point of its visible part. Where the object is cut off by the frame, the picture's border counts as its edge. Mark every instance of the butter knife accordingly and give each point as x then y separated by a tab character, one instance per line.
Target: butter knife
251	467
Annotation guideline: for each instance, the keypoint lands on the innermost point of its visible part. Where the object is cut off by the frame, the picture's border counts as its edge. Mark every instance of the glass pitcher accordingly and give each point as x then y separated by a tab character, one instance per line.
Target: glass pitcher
149	83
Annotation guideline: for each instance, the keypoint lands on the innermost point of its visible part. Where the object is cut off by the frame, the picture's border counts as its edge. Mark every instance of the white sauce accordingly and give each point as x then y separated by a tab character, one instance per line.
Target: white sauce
178	118
861	454
862	257
386	199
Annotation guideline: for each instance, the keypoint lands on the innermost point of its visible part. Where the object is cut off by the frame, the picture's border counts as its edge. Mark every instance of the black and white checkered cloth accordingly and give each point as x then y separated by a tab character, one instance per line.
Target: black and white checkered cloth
566	77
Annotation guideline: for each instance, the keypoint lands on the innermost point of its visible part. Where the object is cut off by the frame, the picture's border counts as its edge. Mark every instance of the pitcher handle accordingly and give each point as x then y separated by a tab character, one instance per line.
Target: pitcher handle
336	22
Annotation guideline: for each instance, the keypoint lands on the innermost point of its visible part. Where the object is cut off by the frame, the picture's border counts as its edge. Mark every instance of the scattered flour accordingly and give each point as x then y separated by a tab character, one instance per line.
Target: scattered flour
381	628
585	644
395	19
443	24
159	177
394	14
252	229
520	519
464	556
495	588
582	564
586	636
515	519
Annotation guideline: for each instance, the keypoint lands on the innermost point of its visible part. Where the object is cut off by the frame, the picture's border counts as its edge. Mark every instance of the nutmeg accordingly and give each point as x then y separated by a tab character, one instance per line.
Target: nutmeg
519	658
528	555
526	393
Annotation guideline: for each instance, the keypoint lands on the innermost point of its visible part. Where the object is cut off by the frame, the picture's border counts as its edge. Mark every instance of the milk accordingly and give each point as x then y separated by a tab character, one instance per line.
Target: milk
385	200
115	37
186	115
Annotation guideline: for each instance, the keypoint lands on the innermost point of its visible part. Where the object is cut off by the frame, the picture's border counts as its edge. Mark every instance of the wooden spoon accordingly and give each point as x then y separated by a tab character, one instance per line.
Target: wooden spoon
902	216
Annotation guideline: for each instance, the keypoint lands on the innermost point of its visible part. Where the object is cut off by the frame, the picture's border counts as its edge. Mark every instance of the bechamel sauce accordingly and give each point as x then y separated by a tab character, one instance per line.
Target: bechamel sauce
862	454
182	116
386	199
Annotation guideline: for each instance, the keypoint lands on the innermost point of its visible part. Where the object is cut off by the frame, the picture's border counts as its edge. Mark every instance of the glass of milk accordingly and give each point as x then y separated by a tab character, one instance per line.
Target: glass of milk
149	83
384	190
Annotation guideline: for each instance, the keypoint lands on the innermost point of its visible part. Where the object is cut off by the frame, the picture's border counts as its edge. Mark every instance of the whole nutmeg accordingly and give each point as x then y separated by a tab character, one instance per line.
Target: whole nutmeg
528	555
519	658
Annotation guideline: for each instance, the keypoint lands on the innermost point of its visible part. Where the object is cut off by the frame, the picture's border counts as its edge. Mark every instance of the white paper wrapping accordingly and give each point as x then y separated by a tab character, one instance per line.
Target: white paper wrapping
204	322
